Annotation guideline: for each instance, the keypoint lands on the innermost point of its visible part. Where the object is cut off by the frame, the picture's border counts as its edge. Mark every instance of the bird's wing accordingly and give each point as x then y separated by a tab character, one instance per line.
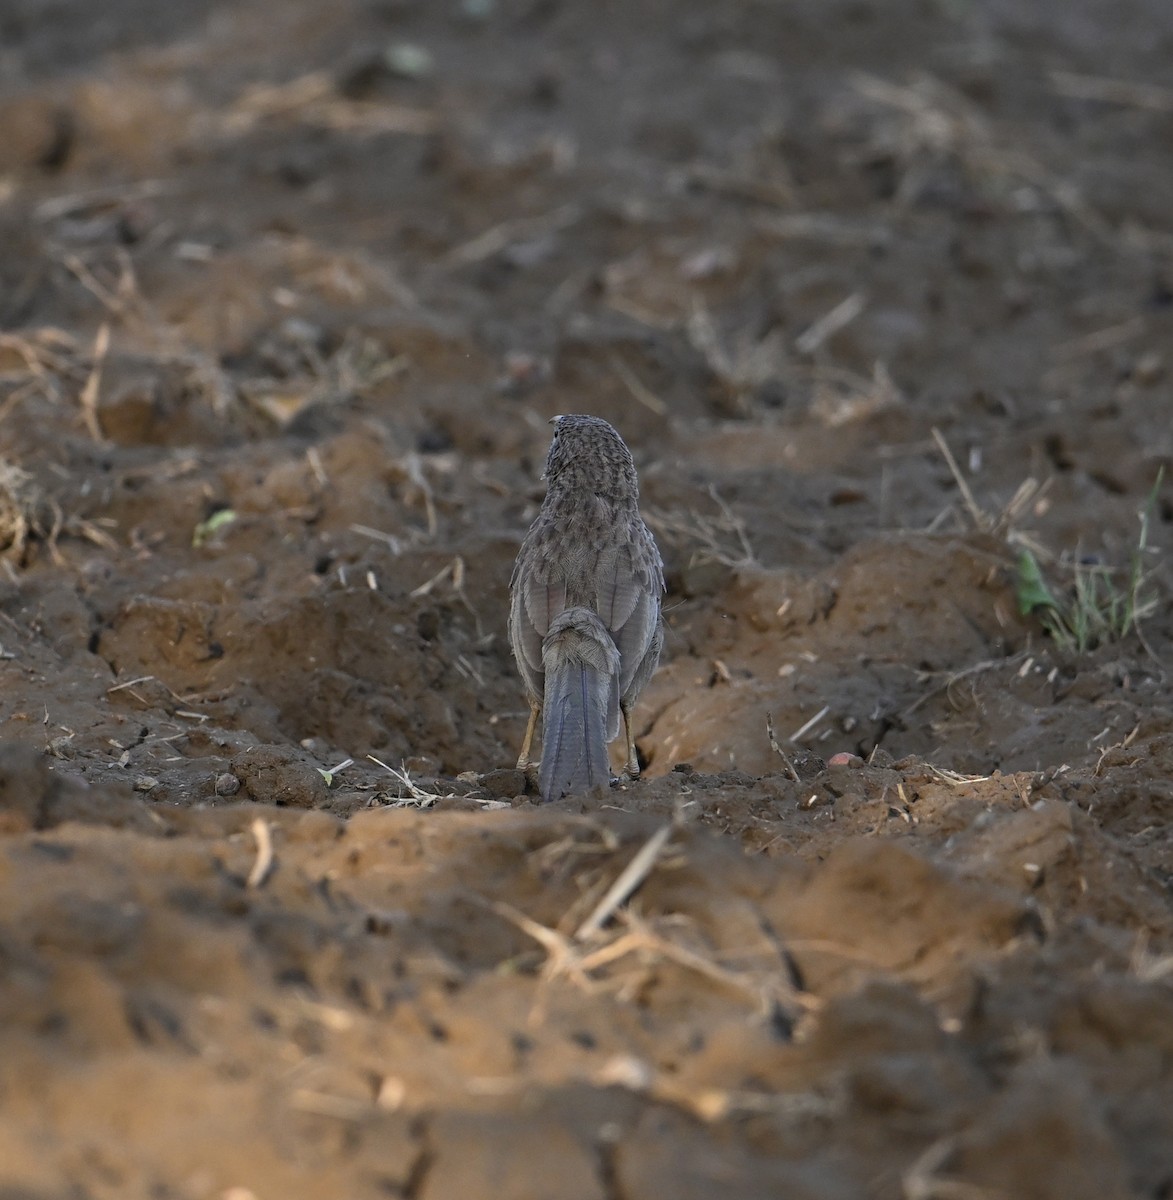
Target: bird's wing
536	599
629	582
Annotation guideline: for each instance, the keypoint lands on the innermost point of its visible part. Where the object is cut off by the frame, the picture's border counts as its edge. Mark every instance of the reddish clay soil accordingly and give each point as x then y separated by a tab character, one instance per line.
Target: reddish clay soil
288	292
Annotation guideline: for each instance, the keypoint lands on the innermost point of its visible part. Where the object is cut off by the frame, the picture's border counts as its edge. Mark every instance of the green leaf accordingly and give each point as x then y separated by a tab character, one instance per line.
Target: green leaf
1032	590
205	529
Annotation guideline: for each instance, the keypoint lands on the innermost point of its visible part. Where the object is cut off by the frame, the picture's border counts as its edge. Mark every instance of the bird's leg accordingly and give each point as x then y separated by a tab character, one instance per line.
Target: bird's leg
631	769
523	759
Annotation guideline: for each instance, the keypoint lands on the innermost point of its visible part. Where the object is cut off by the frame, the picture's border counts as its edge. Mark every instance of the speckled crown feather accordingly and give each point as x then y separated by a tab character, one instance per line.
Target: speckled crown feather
588	454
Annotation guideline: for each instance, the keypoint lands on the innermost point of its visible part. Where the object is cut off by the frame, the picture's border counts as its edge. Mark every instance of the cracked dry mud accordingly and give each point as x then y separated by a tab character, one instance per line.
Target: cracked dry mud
348	260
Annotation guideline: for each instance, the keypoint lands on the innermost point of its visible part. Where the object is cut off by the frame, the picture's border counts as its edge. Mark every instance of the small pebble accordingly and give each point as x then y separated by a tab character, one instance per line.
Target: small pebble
1149	368
227	784
409	60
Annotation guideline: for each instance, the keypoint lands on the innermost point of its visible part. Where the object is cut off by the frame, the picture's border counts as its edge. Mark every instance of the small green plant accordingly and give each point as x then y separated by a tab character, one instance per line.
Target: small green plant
1098	607
206	530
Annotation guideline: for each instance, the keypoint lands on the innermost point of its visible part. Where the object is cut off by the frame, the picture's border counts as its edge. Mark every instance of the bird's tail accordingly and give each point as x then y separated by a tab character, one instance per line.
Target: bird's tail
581	703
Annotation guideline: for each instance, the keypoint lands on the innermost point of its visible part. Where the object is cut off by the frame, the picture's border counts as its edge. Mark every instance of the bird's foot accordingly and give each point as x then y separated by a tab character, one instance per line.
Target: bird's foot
530	770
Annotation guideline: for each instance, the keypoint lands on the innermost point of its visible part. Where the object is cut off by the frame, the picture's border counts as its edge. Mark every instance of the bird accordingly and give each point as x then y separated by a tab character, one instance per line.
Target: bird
585	620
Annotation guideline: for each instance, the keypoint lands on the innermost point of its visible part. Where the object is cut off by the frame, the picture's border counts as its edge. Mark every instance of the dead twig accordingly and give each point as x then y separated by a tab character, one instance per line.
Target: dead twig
774	745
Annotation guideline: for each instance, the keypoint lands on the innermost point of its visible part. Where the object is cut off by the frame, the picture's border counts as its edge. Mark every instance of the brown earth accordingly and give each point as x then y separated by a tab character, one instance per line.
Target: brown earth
287	294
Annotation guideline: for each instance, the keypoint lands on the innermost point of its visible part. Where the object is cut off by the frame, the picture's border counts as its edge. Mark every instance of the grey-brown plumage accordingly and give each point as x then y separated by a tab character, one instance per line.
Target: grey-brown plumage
588	567
580	703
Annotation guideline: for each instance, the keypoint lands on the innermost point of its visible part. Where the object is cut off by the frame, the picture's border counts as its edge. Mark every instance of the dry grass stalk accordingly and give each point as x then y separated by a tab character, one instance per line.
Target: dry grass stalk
824	227
313	99
921	1181
455	571
499	237
1005	523
132	683
744	366
20	508
830	323
956	778
355	369
710	534
808	726
776	747
50	359
979	517
126	305
420	797
1125	92
414	795
777	192
89	393
707	1104
1123	744
1100	340
263	863
640	867
378	535
562	957
413	468
1147	967
323	1104
639	391
952	678
567	958
74	203
933	122
842	396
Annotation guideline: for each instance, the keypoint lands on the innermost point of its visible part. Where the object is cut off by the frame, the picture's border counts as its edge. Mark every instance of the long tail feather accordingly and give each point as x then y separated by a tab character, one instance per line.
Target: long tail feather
581	694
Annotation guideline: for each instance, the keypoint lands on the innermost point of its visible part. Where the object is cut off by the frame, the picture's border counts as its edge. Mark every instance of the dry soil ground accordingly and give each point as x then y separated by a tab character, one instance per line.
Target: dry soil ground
287	294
